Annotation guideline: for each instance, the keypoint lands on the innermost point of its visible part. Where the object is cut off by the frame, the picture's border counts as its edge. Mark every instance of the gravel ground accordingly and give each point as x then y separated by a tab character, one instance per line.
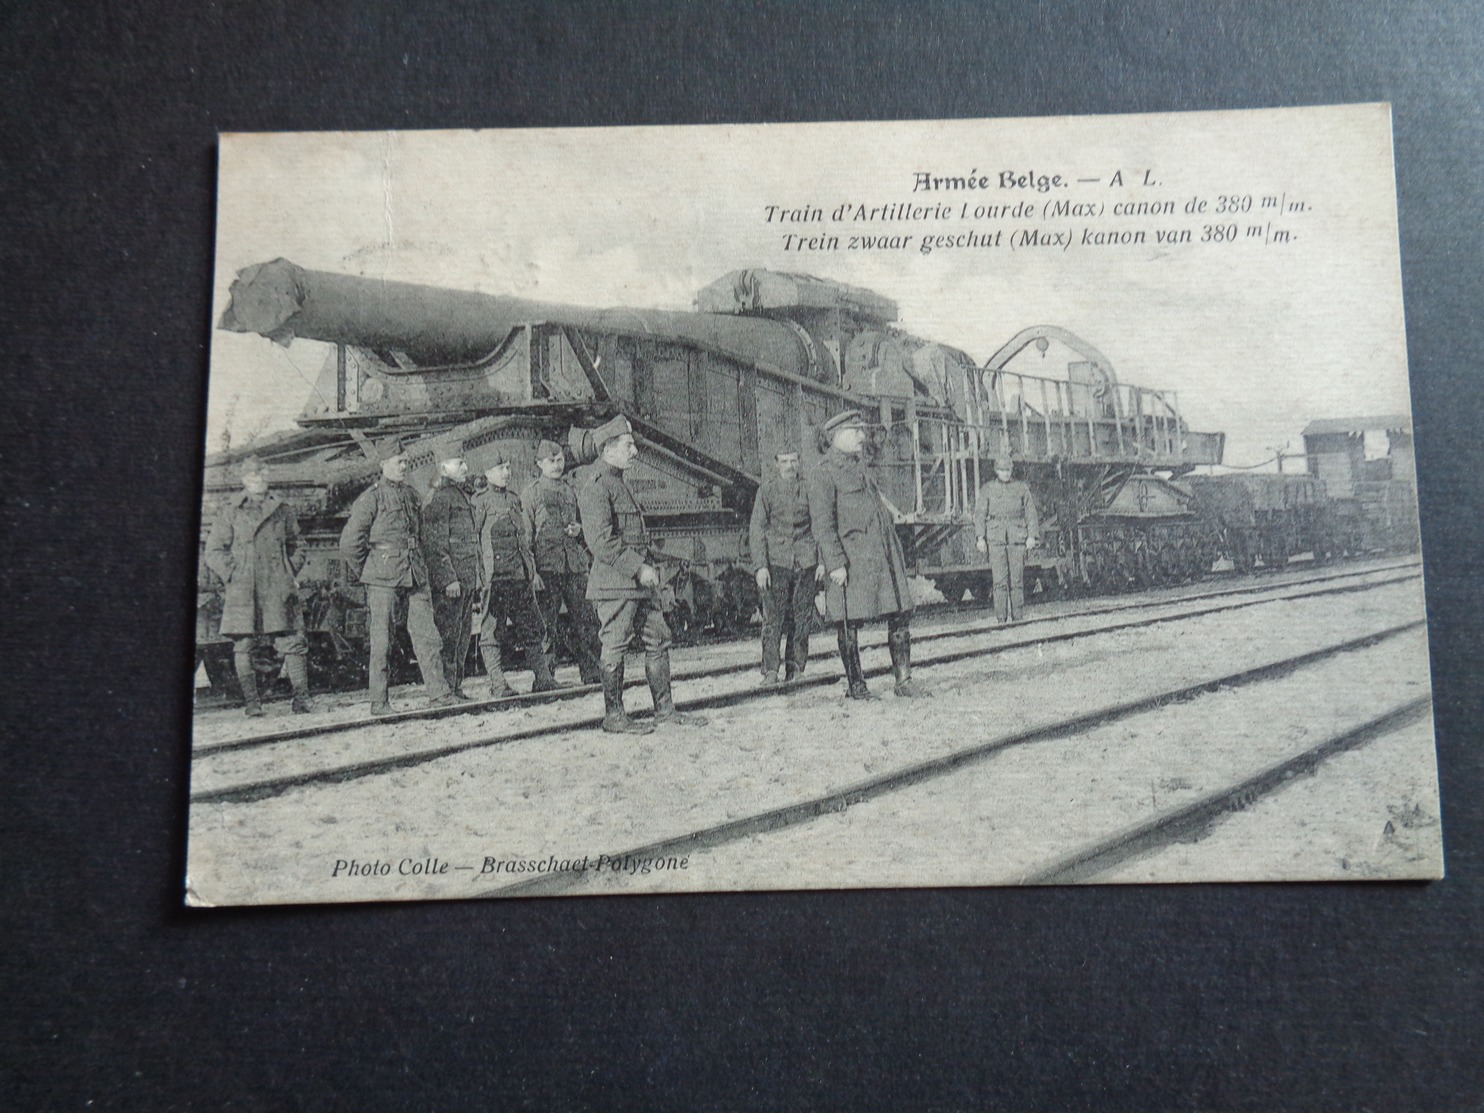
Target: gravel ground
580	793
1003	818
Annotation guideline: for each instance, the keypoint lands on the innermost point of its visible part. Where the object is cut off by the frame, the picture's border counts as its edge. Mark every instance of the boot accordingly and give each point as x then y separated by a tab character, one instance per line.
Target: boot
298	672
499	686
247	677
848	638
657	671
541	668
615	720
900	645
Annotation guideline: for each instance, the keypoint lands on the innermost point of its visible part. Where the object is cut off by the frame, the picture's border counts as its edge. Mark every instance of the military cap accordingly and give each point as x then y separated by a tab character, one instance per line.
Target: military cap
786	452
547	449
498	456
615	427
448	450
842	421
253	467
391	448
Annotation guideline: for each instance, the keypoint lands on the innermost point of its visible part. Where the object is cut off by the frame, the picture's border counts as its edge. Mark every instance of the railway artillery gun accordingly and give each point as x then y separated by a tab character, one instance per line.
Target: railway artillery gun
713	393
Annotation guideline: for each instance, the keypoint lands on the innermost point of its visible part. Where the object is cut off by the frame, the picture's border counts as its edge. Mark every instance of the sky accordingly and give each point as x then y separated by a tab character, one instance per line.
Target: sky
1258	336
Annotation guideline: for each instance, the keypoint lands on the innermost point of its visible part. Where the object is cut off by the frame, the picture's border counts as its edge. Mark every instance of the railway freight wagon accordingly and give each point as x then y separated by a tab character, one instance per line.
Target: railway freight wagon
1355	494
713	394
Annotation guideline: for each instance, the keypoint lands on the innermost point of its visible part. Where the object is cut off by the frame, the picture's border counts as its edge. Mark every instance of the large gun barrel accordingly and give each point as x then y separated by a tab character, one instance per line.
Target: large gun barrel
441	326
432	325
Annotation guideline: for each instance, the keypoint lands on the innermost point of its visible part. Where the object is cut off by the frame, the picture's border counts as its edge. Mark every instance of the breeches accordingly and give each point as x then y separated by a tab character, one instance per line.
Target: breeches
284	643
617	620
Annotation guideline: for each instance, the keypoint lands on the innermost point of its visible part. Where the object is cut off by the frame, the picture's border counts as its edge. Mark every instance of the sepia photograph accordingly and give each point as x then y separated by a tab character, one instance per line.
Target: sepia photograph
809	506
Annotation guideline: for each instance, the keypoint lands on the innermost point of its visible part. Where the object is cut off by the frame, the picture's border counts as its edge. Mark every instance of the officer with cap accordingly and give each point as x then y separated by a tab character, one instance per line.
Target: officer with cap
254	549
382	545
1005	524
451	547
623	585
561	561
859	548
786	564
512	581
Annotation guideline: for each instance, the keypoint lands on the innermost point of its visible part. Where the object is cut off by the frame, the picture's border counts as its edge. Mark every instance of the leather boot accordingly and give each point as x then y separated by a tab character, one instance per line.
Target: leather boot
541	668
848	638
657	671
298	671
615	720
900	645
247	677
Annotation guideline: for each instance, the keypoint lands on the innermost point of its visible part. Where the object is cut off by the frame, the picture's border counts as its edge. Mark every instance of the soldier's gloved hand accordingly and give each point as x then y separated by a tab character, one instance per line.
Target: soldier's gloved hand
763	577
838	577
648	575
453	589
574	530
819	574
982	545
1031	543
536	583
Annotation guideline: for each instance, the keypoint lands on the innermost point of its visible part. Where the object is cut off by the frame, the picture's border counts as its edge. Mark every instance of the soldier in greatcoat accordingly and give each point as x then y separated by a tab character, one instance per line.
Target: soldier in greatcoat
561	561
451	547
382	547
786	566
254	549
1005	524
512	581
624	584
858	545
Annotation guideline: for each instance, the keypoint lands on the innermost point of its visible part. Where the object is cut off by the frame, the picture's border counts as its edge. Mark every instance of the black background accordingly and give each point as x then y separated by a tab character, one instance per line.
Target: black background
115	996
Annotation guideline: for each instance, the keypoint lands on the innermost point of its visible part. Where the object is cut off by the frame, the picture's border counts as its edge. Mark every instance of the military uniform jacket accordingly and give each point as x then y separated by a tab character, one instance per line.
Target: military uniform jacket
382	540
451	539
614	529
254	549
1005	512
854	530
500	521
551	506
780	532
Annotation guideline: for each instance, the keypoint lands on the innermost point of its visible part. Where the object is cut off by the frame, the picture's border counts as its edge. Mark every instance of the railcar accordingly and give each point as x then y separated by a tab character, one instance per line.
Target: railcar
713	394
1353	493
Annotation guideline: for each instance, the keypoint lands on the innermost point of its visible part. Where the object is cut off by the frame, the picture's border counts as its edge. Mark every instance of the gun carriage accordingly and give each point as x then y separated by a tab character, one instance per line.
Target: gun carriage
713	393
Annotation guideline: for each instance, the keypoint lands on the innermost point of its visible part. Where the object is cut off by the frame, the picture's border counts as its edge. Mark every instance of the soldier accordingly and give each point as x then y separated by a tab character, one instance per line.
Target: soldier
382	546
561	561
451	547
254	549
511	570
859	548
787	566
623	584
1005	524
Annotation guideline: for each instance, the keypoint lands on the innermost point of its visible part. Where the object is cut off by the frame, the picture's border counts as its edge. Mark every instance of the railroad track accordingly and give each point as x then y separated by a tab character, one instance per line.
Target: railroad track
203	704
1086	861
297	730
1251	597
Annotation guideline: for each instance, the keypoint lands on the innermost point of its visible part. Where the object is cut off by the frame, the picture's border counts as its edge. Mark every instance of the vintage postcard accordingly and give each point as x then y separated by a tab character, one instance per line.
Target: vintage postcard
805	506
